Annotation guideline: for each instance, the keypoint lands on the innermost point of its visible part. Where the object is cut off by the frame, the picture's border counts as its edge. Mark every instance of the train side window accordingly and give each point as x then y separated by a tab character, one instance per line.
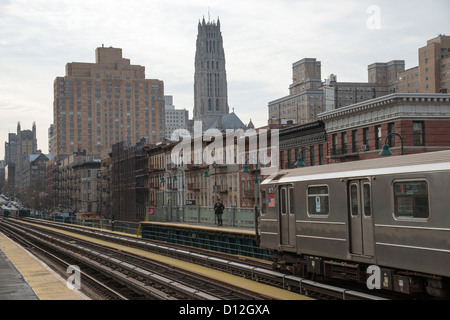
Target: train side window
411	199
354	203
318	203
291	201
263	202
367	198
283	201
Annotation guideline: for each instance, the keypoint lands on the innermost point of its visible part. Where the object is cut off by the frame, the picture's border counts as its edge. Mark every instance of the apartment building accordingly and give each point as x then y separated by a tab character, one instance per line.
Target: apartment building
78	183
102	103
175	118
305	99
309	96
432	75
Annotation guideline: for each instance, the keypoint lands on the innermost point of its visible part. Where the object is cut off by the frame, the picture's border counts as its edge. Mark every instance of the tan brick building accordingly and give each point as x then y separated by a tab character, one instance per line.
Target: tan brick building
102	103
432	75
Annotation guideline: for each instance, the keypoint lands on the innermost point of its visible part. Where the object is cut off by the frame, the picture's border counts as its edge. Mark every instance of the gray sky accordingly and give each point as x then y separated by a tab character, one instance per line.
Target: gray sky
262	40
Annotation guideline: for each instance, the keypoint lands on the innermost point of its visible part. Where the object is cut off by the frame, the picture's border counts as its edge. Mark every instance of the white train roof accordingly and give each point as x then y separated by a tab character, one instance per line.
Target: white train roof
423	162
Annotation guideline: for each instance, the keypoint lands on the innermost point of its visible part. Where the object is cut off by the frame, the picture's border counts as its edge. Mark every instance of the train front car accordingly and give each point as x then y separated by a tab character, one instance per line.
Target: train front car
387	214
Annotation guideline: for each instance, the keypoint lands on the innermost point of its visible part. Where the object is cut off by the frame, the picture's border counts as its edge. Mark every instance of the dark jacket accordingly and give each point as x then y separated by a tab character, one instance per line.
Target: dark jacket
218	208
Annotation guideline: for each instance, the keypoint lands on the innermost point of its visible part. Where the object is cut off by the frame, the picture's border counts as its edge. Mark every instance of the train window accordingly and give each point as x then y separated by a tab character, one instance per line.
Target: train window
283	201
263	202
354	203
411	199
367	200
291	201
318	200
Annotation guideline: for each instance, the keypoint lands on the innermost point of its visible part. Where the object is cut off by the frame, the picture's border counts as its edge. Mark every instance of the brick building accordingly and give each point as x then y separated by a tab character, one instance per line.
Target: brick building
359	131
293	139
102	103
432	75
77	183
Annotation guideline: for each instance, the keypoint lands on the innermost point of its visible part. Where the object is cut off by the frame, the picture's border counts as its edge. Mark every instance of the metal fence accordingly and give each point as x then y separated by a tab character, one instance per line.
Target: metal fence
235	217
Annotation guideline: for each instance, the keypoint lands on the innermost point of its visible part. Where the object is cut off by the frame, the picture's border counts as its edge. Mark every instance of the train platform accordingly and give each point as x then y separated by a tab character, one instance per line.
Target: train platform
24	277
228	239
204	226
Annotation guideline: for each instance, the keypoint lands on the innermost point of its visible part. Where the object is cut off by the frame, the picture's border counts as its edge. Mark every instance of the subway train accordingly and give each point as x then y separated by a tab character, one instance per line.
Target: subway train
385	221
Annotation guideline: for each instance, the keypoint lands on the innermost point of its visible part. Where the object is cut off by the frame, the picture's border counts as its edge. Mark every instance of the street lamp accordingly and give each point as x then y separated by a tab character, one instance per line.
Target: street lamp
246	169
300	162
386	152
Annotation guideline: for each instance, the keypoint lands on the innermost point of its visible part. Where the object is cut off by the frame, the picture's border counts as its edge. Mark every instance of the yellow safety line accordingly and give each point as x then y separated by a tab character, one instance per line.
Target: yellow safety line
45	282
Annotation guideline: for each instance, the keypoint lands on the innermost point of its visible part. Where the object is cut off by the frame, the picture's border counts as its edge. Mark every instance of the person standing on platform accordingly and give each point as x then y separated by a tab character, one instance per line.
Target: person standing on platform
218	209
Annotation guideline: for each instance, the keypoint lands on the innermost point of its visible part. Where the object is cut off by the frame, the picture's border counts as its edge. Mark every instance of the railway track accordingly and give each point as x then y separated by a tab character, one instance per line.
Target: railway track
94	286
147	279
256	270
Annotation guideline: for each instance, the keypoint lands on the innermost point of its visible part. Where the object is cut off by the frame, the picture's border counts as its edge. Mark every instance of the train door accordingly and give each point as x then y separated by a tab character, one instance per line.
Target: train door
360	218
287	215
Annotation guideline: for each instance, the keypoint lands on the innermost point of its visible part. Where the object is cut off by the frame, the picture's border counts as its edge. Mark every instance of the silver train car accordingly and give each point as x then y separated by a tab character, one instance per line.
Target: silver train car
338	220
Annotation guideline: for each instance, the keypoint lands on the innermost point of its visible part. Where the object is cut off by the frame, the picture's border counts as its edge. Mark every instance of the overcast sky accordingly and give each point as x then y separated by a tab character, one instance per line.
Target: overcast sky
262	39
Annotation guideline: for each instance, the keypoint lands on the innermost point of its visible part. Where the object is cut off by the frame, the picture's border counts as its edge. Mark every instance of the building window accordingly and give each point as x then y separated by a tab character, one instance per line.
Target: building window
344	142
355	141
321	154
391	129
419	133
366	136
377	137
334	151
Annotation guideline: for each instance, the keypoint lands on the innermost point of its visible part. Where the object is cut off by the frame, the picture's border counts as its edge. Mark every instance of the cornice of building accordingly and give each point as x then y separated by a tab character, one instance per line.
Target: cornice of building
386	108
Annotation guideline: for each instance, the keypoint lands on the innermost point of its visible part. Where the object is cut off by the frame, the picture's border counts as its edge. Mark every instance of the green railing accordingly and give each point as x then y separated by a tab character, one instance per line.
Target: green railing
235	217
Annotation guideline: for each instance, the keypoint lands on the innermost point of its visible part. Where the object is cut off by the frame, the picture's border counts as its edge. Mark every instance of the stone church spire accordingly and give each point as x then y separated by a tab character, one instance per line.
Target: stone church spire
210	79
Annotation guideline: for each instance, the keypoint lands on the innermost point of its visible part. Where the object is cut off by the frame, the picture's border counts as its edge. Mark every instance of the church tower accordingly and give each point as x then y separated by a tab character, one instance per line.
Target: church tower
210	83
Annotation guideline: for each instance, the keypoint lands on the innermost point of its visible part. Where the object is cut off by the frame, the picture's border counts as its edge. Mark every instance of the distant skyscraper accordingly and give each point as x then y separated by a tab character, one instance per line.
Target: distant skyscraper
26	144
210	83
175	118
99	104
